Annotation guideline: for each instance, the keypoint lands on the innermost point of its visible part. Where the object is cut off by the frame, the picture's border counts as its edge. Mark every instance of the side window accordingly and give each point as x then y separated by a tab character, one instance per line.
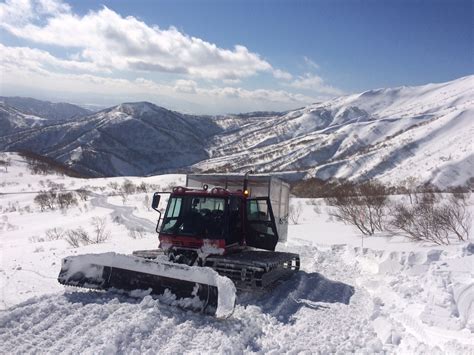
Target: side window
172	214
258	211
261	230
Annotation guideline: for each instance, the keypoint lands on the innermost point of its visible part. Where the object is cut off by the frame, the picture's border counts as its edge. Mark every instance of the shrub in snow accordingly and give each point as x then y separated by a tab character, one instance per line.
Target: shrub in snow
363	206
54	233
66	200
76	237
46	200
83	194
143	187
5	162
128	188
294	213
36	239
431	220
101	234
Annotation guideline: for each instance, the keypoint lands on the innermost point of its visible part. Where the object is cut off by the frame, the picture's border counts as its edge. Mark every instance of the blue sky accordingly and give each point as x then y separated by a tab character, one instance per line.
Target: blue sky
183	54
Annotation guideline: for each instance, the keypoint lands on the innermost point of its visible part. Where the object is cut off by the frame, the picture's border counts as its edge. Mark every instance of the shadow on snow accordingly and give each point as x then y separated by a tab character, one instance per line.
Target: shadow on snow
310	290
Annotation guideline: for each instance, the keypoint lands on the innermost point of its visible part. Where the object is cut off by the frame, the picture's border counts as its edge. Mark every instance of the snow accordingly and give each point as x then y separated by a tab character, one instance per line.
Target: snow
389	134
387	295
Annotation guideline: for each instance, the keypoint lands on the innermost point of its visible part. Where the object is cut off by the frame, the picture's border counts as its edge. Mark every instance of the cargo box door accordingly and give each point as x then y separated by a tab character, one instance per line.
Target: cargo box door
261	230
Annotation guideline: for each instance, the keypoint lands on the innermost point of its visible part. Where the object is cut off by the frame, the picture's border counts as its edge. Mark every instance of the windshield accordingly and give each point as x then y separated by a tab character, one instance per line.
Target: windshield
195	216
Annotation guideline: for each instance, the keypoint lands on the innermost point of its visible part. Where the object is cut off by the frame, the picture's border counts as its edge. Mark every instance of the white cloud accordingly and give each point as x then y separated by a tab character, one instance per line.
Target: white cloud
109	40
103	47
40	60
315	84
185	86
22	67
280	74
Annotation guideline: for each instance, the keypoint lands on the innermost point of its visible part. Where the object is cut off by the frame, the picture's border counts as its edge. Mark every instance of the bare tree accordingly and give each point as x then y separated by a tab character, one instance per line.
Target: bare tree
113	185
410	185
76	237
128	187
432	220
143	187
83	194
66	200
294	213
101	234
54	233
46	200
5	162
456	218
362	206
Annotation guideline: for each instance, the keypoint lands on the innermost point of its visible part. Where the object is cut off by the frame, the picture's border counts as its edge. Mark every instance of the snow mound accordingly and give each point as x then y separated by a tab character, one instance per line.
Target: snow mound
430	293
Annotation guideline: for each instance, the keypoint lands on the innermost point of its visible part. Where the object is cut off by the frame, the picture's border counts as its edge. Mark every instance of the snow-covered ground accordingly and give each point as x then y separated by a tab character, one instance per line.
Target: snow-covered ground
388	296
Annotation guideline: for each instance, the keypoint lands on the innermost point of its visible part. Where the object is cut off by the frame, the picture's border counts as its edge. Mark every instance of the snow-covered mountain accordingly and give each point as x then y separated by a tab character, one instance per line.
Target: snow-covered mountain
12	120
52	111
425	131
389	134
129	139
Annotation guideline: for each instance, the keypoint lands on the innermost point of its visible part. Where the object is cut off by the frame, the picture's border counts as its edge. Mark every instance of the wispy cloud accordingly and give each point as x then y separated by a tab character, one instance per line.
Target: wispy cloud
316	84
310	63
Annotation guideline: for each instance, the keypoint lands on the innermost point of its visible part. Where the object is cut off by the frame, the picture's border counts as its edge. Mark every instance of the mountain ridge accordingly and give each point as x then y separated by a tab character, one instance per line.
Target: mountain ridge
375	134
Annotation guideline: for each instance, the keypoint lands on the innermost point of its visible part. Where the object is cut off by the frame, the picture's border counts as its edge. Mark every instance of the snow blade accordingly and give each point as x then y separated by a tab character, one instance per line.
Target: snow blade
194	288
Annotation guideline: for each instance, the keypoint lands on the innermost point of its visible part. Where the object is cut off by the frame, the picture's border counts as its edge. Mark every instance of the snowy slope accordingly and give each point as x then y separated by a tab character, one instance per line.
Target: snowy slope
129	139
391	296
12	120
423	131
51	111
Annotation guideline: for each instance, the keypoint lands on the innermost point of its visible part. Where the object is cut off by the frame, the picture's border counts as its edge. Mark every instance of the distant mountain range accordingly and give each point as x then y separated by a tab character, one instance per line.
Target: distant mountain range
60	111
388	134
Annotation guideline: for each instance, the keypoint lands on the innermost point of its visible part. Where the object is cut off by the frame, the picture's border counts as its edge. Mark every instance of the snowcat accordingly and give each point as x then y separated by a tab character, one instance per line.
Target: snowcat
216	228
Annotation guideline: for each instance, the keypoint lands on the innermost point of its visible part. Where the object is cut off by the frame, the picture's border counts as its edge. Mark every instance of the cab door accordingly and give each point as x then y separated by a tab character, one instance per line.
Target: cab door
261	230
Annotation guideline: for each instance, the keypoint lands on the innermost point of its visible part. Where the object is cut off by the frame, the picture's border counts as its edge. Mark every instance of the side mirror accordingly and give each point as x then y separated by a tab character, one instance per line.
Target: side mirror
156	201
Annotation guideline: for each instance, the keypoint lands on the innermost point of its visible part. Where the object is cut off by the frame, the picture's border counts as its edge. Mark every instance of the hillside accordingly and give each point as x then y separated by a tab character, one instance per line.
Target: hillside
391	296
129	139
60	111
13	120
388	134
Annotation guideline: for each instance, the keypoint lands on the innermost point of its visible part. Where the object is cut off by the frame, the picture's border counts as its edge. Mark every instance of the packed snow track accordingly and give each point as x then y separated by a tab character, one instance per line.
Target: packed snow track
318	311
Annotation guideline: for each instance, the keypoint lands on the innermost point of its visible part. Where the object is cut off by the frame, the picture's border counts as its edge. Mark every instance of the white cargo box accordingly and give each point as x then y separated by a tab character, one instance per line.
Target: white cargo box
259	185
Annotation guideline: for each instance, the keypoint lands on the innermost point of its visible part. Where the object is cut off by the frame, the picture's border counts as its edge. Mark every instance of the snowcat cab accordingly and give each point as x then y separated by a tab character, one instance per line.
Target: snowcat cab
215	221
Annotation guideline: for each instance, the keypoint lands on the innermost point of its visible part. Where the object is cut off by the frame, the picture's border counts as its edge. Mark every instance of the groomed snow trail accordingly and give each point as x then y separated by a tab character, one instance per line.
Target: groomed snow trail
318	310
123	213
